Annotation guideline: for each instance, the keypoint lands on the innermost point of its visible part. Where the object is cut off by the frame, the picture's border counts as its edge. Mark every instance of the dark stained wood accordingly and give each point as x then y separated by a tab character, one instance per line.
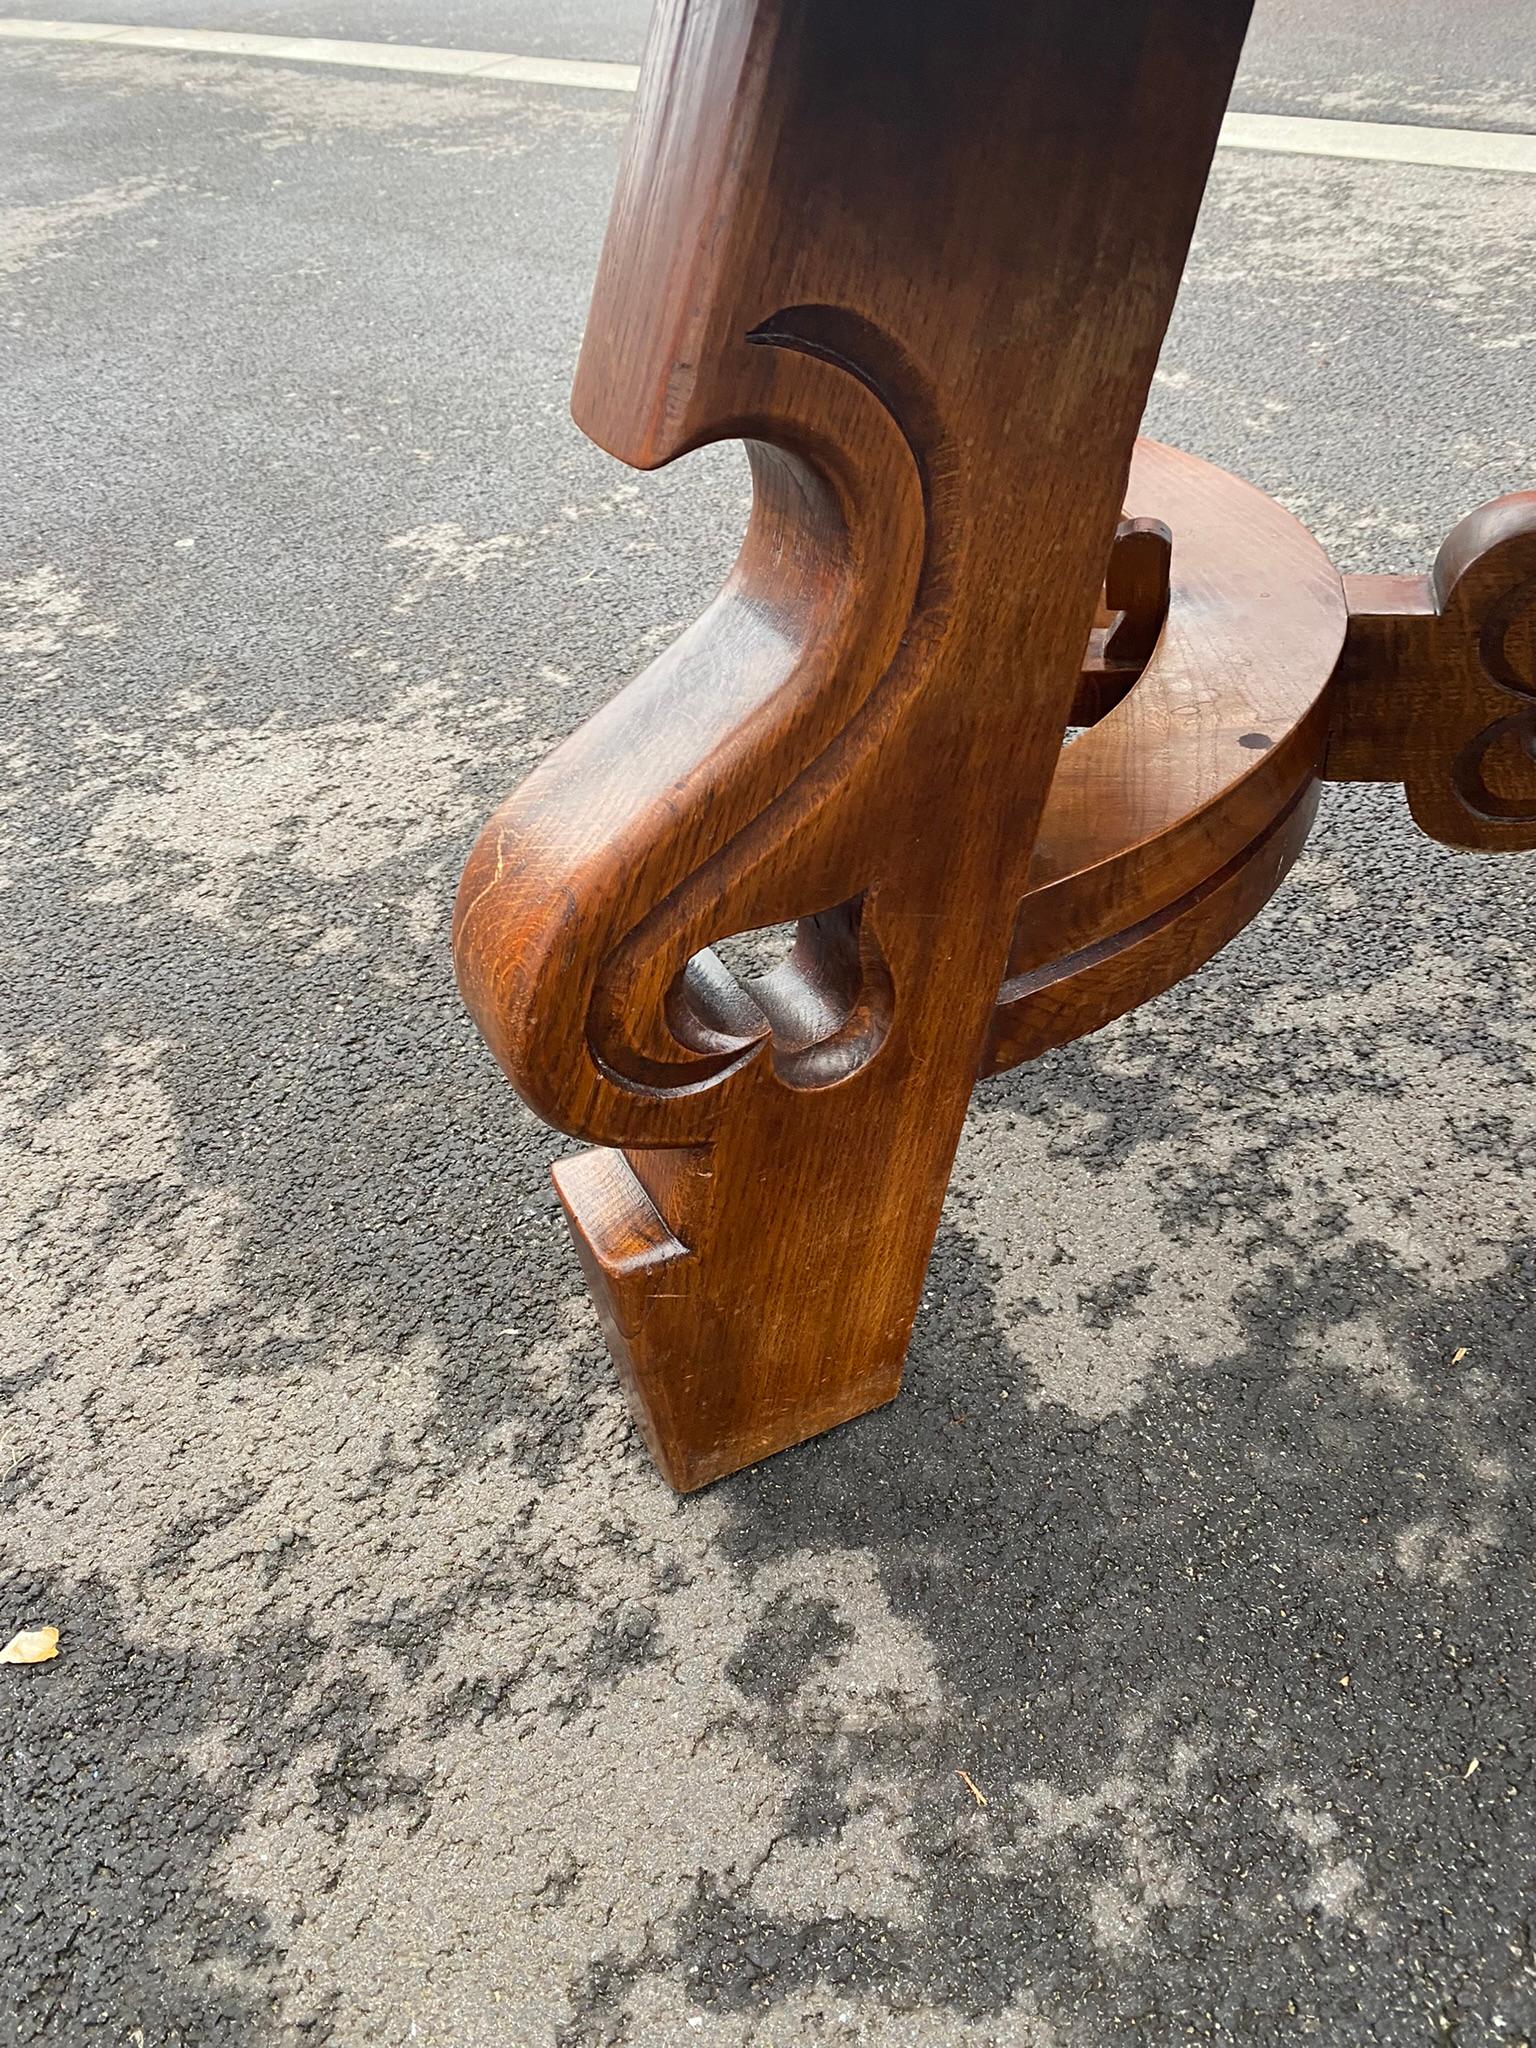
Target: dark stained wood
925	278
1130	618
921	262
1183	783
1437	683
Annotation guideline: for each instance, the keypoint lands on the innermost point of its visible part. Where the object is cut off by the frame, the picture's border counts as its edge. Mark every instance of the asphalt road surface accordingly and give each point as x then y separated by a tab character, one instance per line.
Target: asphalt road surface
397	1701
1469	65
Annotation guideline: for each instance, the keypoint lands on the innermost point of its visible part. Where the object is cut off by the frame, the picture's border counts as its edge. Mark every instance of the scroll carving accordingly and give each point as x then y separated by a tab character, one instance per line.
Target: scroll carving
1436	687
665	1018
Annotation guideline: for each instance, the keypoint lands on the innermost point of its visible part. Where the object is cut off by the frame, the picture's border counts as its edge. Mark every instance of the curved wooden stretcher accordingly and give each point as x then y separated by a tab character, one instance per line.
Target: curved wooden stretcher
923	268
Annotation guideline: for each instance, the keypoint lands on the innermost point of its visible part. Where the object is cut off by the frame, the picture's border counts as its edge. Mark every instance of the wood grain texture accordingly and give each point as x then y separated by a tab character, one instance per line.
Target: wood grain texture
1182	784
1436	686
924	277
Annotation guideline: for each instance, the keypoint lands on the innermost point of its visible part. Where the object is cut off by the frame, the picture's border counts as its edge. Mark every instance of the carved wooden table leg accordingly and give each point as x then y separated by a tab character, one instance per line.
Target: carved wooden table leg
925	277
921	263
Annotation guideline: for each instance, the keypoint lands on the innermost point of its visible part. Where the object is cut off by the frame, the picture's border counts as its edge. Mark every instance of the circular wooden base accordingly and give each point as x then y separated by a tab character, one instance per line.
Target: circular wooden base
1172	820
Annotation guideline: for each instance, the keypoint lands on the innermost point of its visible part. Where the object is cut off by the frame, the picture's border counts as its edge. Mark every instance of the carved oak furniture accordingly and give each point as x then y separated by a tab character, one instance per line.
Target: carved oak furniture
921	260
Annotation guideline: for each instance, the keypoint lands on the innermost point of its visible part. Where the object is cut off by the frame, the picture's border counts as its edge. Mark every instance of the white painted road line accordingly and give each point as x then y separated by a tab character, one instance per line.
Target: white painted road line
215	42
1377	142
1382	142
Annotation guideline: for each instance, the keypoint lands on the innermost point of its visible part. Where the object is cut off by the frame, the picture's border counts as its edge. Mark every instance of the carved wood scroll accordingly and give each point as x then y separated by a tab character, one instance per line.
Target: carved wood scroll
1437	684
920	263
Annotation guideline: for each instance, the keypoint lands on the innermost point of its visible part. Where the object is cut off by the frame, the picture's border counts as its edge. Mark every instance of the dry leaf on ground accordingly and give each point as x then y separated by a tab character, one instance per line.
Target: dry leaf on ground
31	1646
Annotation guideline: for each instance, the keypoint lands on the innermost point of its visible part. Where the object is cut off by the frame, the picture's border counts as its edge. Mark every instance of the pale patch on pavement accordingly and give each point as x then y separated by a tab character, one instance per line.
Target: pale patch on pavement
445	553
1335	1881
333	801
1461	243
30	235
1099	1292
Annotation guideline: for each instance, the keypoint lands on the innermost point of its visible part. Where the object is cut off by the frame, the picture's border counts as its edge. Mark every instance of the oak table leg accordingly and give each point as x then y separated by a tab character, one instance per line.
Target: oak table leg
925	276
921	261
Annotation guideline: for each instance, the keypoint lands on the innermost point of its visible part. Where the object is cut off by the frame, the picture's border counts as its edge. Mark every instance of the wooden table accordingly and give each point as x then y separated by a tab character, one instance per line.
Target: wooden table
921	259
